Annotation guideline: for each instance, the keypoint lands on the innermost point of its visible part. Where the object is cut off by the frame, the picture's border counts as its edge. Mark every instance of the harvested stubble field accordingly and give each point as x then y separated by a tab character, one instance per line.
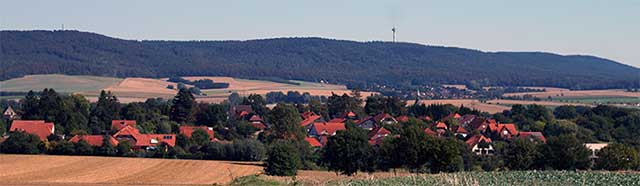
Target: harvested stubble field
139	89
470	103
107	171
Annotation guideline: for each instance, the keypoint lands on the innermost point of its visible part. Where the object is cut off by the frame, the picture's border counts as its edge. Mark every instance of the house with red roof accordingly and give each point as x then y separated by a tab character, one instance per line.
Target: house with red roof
240	111
307	121
348	115
257	122
532	136
441	127
377	134
480	145
425	118
94	140
307	114
39	128
481	124
504	131
460	131
188	131
313	142
144	141
403	119
326	129
371	122
430	132
454	115
119	124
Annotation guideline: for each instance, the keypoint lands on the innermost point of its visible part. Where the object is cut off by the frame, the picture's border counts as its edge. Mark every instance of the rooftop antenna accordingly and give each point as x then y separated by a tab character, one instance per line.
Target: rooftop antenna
394	33
63	27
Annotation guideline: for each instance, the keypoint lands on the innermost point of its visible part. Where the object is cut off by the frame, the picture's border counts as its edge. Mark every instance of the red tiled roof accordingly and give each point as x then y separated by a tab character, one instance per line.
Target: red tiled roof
348	114
403	118
378	131
188	130
381	116
452	115
461	130
441	125
499	127
329	128
474	140
306	115
37	127
93	140
338	120
145	140
119	124
313	142
524	135
255	117
309	120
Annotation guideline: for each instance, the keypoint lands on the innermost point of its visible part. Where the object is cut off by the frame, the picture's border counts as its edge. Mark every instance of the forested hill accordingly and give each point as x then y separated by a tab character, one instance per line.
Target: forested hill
309	59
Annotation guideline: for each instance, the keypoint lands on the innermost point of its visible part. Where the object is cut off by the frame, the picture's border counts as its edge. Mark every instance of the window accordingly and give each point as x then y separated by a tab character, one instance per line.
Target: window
167	137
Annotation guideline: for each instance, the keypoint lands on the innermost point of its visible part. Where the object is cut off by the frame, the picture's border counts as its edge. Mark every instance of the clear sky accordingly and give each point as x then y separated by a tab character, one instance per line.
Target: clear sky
605	28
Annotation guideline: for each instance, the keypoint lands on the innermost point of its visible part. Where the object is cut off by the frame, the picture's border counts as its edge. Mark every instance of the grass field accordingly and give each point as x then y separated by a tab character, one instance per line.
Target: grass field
599	100
87	170
61	83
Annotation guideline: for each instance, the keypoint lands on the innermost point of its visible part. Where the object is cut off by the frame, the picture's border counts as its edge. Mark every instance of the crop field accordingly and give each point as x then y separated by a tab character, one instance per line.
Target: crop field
454	179
61	83
87	170
554	103
506	178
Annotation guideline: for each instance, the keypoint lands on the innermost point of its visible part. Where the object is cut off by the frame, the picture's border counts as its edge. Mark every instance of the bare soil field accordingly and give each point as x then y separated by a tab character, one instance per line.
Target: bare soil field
87	170
578	93
471	103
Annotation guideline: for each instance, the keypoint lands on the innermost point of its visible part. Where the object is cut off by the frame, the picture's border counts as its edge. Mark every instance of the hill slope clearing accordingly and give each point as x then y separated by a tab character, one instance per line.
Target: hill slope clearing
87	170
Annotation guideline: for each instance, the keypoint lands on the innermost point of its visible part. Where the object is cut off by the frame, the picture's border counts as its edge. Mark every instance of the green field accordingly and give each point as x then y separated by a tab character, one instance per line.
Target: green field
565	178
507	178
598	100
60	83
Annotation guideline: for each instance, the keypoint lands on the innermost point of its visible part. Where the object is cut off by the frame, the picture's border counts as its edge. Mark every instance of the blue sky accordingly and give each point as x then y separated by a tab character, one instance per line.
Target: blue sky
605	28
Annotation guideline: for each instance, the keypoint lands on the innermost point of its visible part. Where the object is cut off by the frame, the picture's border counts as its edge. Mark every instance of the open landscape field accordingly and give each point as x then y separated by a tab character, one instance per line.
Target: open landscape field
140	89
557	92
470	103
87	170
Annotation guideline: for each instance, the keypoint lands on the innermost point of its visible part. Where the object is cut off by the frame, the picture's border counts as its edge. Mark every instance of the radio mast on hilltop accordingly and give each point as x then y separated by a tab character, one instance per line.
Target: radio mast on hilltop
394	33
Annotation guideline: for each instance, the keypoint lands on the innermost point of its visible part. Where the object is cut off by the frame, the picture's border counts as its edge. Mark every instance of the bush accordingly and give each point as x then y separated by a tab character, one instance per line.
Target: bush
617	157
21	143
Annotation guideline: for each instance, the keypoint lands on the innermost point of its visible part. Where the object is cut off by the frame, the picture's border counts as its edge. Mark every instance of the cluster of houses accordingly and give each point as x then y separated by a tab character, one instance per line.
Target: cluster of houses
480	140
126	131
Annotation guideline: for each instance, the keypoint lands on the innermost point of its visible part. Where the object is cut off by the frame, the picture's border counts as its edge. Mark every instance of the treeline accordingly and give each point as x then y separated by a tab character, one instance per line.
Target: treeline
292	97
364	65
201	83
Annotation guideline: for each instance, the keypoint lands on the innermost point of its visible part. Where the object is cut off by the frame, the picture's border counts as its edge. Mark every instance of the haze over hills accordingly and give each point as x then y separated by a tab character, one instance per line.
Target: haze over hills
356	64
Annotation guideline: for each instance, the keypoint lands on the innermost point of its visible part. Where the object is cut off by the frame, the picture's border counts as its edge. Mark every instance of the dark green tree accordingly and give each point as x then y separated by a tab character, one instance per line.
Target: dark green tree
565	153
21	143
617	156
413	147
199	137
30	106
520	154
285	123
183	107
282	159
107	149
446	155
107	109
212	115
349	152
83	148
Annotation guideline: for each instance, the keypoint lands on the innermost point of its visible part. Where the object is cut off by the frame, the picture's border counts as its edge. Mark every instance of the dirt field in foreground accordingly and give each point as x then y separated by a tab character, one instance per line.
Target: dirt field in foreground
107	171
